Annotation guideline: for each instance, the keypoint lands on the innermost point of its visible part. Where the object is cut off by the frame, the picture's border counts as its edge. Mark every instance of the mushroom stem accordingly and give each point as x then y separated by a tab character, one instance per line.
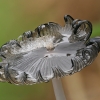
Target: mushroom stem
58	89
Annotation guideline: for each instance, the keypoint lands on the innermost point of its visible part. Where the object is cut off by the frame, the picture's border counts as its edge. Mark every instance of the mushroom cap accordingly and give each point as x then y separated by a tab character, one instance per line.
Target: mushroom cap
50	51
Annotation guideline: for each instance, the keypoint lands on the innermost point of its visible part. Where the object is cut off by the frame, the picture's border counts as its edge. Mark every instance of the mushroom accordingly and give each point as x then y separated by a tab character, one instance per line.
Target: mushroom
49	52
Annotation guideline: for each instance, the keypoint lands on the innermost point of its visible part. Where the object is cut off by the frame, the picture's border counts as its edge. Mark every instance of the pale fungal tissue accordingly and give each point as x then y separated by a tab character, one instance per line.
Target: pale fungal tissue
50	51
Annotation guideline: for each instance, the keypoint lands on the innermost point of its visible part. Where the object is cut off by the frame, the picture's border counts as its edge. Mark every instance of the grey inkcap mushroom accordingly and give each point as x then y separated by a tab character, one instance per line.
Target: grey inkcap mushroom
48	52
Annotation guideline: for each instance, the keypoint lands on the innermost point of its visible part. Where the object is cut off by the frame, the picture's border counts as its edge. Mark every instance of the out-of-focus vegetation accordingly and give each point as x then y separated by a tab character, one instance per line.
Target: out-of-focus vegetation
96	30
19	16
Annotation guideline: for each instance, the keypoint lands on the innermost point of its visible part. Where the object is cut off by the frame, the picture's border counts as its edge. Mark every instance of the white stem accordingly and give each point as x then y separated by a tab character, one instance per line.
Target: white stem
58	89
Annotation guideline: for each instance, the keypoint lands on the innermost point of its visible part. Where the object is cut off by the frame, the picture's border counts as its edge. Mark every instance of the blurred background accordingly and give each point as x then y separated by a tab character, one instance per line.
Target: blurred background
18	16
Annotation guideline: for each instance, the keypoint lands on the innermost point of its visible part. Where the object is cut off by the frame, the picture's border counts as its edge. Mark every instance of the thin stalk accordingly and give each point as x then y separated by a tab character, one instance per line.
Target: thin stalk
58	89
